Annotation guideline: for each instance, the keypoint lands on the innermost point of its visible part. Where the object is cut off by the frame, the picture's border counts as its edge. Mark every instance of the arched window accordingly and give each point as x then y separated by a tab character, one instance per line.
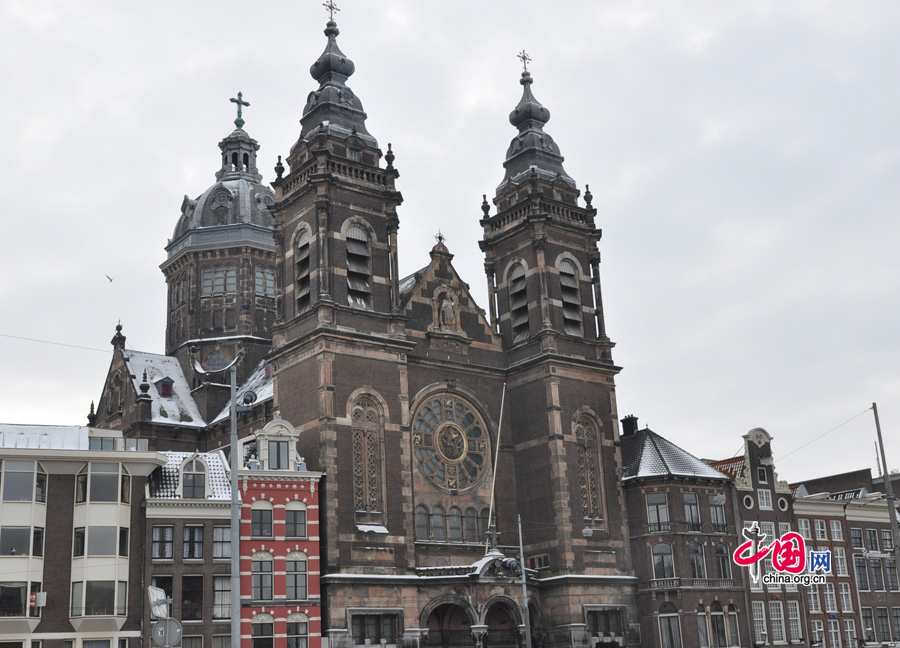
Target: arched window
438	531
259	283
297	630
367	470
296	571
471	530
218	280
207	282
717	623
230	278
422	523
270	282
261	576
698	564
262	632
663	567
454	525
588	469
571	297
733	625
702	626
193	476
359	268
303	290
723	561
518	302
484	523
669	626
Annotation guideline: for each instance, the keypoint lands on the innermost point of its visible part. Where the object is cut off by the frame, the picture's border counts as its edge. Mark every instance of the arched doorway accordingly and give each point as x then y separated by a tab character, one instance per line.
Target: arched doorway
502	627
449	627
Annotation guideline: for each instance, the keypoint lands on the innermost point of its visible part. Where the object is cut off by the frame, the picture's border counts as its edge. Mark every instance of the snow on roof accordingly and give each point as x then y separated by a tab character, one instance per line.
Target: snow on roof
164	481
732	467
45	437
262	386
408	283
647	454
177	409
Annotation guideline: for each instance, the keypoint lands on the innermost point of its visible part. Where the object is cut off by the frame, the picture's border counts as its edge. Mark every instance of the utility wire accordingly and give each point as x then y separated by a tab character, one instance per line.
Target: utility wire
73	346
824	433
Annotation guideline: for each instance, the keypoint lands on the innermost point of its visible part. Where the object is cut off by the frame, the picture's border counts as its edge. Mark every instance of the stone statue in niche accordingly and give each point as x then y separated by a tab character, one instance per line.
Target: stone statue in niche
448	313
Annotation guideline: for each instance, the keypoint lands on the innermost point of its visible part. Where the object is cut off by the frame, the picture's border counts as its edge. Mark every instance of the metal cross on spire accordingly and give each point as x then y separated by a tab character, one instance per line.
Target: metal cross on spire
523	56
331	9
239	122
439	237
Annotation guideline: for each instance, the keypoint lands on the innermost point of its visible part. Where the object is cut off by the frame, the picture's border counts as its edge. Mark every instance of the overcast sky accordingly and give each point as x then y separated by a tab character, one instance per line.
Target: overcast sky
744	158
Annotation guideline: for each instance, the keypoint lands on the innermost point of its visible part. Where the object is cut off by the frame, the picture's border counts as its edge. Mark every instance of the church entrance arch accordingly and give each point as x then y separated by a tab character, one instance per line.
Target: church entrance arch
449	626
501	619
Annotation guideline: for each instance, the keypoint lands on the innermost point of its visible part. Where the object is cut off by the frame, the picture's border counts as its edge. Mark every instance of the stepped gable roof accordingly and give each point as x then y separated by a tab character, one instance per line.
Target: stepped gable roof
646	454
179	408
261	382
164	482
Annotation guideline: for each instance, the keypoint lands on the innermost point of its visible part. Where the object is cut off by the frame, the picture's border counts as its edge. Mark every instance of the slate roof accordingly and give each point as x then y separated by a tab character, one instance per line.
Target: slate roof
257	382
647	454
164	480
732	467
177	409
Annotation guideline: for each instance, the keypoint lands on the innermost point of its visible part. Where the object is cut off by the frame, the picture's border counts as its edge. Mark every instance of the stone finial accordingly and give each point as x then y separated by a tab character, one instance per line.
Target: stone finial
485	207
588	196
279	169
389	157
118	340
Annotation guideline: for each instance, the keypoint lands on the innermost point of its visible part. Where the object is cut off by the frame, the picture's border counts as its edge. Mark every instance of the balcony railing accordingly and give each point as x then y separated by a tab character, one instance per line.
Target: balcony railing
712	582
665	583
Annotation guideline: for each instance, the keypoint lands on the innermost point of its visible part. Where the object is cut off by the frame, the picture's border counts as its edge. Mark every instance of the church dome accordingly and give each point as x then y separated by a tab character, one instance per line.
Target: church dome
238	197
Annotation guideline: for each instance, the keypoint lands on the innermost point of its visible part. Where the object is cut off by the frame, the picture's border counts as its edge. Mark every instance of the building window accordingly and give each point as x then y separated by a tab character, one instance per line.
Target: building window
571	297
663	566
471	525
295	523
759	622
221	641
262	635
221	542
846	598
669	626
296	579
422	523
692	511
264	281
717	624
102	541
15	541
589	478
877	577
602	623
191	598
303	288
261	522
279	458
834	633
372	628
359	268
813	595
14	598
454	524
821	530
518	302
830	600
230	279
837	531
868	624
850	632
761	475
764	496
862	574
896	614
437	524
193	542
221	597
698	564
22	483
99	482
818	632
165	584
840	561
261	579
162	541
37	543
207	283
890	571
803	527
793	611
657	512
218	280
884	628
702	626
192	642
717	513
872	539
856	540
297	634
723	561
367	471
193	480
887	542
98	598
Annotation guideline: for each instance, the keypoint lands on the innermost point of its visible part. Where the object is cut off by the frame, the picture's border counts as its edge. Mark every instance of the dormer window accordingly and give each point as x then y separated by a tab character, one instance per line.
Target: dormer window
193	480
164	387
353	155
279	458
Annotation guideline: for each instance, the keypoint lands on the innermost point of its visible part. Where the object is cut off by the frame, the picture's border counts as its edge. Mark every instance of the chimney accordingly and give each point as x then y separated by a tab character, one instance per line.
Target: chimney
629	425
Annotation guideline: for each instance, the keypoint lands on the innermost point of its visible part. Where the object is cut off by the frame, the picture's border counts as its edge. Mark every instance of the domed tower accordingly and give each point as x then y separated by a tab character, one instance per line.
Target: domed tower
220	271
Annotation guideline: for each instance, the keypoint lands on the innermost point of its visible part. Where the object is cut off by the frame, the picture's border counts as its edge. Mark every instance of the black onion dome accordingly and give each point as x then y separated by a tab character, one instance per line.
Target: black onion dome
529	108
332	62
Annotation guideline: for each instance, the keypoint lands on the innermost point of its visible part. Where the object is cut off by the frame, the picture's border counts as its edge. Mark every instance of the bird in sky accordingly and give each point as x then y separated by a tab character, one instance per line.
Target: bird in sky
110	278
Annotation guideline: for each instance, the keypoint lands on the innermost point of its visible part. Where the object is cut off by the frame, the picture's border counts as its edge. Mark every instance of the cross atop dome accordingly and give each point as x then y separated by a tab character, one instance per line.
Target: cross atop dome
331	7
523	56
239	122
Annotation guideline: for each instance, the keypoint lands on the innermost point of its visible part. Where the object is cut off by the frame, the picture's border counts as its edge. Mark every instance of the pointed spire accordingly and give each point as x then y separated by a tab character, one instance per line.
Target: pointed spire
532	149
334	107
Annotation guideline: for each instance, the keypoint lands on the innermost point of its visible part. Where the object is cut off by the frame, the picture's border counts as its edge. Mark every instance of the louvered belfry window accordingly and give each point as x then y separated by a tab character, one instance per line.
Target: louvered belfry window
518	303
303	272
571	301
359	268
